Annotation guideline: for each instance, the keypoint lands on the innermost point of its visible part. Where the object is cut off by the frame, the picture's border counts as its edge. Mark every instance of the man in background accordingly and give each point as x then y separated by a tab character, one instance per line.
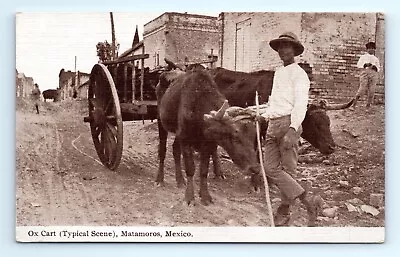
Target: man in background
36	97
369	67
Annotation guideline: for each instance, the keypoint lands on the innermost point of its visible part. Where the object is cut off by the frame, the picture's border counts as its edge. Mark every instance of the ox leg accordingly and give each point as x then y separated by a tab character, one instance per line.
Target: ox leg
162	149
204	165
187	153
180	181
217	165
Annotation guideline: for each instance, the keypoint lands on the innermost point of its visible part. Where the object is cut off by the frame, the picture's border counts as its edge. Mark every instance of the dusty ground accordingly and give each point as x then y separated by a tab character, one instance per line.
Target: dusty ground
60	181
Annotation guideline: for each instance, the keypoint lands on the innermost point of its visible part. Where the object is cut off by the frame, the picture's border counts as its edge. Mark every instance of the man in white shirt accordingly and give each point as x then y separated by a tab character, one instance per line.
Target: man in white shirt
369	67
286	110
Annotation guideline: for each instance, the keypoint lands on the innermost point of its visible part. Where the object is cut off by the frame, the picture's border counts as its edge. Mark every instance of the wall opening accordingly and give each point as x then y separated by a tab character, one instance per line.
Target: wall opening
242	45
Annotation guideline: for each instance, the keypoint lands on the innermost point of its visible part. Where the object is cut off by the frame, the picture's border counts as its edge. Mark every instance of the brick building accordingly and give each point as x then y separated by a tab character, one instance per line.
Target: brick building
83	85
82	90
180	37
333	43
66	83
70	82
24	85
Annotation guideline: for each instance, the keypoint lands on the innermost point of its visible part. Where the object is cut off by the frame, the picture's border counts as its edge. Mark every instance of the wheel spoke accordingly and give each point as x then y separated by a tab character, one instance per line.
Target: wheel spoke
97	131
103	146
94	102
112	129
97	92
110	145
108	105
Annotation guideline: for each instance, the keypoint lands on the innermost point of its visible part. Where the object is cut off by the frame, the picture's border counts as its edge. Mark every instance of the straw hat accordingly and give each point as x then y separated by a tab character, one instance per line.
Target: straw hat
288	37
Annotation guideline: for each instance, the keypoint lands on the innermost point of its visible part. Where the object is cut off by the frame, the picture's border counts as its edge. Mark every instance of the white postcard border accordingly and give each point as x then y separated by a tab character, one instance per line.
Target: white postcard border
200	234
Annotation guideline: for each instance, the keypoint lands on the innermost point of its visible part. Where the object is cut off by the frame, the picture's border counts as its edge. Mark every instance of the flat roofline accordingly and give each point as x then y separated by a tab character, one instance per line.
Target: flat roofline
83	73
183	14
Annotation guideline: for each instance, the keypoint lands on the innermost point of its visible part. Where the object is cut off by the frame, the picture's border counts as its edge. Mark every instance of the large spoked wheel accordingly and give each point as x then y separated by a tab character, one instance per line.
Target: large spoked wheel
105	117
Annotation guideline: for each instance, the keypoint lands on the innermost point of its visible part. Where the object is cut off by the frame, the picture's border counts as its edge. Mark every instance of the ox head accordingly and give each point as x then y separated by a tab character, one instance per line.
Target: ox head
316	125
236	134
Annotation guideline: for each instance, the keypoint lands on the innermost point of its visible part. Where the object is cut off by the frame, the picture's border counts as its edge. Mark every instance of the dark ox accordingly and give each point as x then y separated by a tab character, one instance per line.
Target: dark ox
187	104
240	90
124	77
50	94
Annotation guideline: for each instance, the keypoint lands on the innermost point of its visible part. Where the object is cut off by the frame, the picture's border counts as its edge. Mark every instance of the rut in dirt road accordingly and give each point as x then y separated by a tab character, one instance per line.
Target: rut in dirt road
46	187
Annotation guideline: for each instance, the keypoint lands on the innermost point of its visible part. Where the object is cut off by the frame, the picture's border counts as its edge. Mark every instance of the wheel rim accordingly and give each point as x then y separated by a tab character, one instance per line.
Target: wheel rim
105	111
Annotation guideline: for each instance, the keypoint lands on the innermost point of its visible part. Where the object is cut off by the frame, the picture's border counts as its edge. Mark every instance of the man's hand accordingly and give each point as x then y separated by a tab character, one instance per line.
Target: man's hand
290	138
260	119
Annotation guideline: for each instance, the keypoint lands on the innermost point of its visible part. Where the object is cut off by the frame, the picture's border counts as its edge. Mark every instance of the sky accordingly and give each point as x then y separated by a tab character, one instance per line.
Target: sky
48	42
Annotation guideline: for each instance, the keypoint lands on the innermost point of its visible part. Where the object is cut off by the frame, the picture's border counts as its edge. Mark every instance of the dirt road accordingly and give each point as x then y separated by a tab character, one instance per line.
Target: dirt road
61	182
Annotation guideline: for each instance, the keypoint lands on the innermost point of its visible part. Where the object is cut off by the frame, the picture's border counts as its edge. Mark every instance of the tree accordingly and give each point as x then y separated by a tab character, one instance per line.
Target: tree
104	51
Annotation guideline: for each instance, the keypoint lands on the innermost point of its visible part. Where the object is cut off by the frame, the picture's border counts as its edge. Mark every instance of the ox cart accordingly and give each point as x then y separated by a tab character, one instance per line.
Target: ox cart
120	90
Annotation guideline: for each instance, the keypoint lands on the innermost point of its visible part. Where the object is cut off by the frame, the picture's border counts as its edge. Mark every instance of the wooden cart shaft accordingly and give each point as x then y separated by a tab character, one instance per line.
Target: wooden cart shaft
127	59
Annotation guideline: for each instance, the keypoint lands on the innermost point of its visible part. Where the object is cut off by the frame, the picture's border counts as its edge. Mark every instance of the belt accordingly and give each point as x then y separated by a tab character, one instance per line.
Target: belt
281	117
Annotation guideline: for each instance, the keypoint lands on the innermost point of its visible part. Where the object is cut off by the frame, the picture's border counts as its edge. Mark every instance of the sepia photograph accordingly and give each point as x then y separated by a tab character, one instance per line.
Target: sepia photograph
200	127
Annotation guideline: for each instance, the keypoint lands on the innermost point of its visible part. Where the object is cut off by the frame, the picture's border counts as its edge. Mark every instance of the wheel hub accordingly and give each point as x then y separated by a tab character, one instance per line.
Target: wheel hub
99	117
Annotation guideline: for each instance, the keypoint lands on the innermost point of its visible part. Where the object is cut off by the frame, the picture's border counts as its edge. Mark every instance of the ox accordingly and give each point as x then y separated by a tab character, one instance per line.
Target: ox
186	105
50	94
240	90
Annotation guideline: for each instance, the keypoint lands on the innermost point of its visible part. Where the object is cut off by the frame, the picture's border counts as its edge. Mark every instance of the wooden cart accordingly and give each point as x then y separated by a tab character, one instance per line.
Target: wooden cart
117	93
121	90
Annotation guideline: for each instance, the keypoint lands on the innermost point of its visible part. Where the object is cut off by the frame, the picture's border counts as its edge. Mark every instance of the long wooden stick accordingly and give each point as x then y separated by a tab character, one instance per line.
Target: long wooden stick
267	198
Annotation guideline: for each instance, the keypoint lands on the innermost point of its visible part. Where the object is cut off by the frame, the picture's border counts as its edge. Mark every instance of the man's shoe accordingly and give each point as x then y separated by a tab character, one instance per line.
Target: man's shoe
282	216
281	220
313	206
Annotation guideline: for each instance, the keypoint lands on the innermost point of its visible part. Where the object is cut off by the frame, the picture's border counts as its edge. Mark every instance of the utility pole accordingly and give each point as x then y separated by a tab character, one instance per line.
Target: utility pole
76	79
112	36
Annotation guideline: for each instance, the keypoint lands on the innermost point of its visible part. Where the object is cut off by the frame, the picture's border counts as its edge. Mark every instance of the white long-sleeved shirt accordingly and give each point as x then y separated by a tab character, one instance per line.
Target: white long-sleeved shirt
368	58
289	94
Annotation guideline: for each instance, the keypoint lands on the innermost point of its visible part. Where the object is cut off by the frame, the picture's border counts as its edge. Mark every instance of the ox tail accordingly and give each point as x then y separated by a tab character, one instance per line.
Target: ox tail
339	106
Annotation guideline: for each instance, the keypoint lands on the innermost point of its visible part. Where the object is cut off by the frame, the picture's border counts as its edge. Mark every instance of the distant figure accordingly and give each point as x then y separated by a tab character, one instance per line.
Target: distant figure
36	97
369	67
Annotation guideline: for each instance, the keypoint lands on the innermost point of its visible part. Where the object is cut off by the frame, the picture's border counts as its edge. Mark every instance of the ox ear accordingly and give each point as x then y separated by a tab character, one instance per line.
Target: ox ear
322	103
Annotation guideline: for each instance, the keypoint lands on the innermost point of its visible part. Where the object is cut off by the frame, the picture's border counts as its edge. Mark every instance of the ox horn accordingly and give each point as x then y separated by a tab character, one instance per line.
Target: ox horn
339	106
220	113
